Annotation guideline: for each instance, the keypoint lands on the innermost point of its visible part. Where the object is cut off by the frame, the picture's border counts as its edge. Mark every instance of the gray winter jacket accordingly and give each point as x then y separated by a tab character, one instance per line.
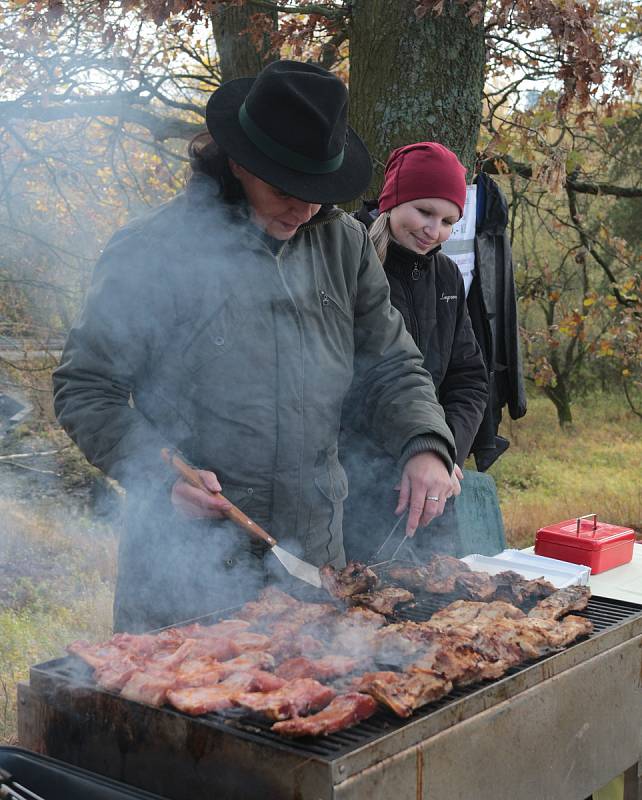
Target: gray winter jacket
199	334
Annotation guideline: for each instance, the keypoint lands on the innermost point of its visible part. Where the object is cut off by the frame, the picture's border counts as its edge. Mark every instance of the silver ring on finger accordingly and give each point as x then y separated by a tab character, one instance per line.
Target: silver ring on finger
432	497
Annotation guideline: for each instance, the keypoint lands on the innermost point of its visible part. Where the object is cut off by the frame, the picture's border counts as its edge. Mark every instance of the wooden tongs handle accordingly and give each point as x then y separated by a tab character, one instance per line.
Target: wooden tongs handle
192	477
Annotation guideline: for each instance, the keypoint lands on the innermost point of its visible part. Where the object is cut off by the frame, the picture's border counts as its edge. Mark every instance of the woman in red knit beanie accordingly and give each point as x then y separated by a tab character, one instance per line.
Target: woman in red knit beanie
423	196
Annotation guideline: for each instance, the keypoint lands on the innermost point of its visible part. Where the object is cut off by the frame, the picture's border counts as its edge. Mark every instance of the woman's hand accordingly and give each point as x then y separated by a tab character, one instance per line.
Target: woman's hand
425	487
455	479
199	503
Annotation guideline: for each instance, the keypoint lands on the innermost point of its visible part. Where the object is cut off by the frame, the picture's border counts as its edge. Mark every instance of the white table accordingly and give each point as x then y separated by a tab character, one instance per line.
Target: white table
620	583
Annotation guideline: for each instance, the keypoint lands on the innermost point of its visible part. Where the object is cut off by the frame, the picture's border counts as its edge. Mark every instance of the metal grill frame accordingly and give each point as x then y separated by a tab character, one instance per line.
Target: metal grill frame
323	765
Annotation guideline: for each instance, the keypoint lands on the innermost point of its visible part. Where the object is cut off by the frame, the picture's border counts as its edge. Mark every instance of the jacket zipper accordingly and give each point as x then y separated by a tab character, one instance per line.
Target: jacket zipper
326	300
414	322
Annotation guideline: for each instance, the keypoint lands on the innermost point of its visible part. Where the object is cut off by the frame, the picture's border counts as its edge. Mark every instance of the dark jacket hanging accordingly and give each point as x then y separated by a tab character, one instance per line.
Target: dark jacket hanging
492	305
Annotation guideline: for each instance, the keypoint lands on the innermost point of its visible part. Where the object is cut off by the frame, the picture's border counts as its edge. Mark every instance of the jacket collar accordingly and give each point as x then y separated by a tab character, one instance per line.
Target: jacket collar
402	261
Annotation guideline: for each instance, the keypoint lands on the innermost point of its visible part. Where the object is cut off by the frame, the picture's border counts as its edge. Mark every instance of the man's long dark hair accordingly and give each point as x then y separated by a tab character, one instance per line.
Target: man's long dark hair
207	158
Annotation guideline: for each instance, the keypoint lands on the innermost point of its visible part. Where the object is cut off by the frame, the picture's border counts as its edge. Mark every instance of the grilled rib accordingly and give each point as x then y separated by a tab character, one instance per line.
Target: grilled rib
292	700
402	692
563	601
343	711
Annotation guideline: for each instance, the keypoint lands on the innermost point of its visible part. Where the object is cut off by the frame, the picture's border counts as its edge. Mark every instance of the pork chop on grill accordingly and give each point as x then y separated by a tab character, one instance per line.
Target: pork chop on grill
149	687
343	712
321	669
452	655
272	603
476	586
354	578
514	641
462	612
202	700
383	601
403	693
292	700
518	590
563	601
396	644
288	641
195	672
437	576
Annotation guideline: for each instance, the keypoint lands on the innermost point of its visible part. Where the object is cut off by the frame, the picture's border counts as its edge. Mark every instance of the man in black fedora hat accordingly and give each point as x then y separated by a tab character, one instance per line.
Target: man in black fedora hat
230	324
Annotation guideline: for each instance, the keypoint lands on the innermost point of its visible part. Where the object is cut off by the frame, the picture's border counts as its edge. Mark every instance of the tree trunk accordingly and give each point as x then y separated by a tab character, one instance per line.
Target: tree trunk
562	402
239	57
414	80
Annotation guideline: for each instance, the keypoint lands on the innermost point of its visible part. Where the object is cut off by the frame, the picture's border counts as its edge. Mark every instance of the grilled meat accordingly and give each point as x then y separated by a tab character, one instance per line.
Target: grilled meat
364	617
413	578
321	669
201	700
212	668
403	693
272	603
344	711
515	589
453	656
464	611
252	641
383	601
226	627
354	578
572	598
514	641
288	642
113	675
445	575
145	686
441	573
292	700
196	672
476	586
396	644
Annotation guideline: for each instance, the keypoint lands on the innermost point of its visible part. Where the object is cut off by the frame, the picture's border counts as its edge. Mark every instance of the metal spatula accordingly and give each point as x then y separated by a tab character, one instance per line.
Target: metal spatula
295	566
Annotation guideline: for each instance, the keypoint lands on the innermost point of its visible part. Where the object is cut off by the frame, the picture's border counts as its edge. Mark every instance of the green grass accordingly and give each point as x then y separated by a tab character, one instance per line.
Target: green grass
549	475
57	586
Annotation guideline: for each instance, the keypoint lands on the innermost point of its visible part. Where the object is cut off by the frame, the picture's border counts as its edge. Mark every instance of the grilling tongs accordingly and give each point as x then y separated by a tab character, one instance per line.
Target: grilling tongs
295	566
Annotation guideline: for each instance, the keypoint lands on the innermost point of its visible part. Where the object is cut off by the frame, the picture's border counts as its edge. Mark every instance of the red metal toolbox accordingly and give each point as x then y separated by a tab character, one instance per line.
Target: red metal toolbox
584	540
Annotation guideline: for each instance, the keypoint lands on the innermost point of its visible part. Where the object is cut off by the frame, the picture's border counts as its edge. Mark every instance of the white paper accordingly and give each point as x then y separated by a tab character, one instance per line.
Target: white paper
466	264
460	245
465	228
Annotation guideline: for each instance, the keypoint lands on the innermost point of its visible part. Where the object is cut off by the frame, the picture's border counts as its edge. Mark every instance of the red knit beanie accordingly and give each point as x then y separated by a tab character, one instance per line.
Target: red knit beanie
425	169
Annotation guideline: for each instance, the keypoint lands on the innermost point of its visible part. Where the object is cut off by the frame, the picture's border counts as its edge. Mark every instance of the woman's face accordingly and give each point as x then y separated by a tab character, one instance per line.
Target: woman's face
277	213
420	225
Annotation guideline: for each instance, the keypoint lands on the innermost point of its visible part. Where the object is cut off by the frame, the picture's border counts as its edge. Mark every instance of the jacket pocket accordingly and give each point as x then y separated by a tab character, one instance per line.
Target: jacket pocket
212	338
329	303
325	536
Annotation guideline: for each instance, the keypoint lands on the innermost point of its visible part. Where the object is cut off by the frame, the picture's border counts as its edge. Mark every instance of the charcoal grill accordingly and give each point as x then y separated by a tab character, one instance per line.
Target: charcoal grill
559	727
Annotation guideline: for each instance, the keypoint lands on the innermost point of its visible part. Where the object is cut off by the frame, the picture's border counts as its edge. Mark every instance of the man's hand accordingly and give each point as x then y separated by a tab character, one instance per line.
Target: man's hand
199	503
425	487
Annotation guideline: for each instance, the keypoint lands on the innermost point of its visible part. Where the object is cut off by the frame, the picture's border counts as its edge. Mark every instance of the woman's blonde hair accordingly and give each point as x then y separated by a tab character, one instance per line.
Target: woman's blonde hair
380	234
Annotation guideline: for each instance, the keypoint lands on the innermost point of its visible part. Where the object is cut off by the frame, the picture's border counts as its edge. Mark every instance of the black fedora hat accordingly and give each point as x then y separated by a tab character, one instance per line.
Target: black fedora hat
288	126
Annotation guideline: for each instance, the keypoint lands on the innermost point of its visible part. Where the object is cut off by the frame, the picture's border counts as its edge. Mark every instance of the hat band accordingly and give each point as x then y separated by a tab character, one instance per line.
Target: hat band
283	155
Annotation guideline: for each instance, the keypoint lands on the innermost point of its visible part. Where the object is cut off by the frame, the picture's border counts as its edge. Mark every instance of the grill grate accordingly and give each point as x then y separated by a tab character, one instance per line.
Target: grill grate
604	613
